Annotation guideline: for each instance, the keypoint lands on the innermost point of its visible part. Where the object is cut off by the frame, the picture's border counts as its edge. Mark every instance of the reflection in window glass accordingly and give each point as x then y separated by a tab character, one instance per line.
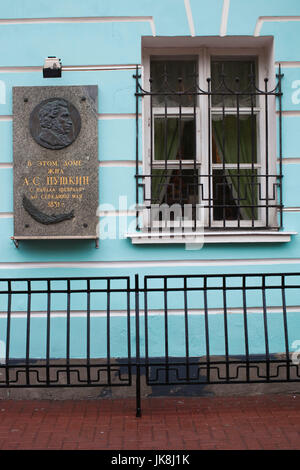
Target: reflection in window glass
174	186
230	71
172	76
174	138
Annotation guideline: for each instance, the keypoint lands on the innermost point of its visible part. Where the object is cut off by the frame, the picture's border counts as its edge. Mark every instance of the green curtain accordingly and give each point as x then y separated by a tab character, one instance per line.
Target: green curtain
166	146
244	187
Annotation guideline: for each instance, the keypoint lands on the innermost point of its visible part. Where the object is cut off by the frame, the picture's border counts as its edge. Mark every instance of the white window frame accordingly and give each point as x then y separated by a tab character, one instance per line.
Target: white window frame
265	69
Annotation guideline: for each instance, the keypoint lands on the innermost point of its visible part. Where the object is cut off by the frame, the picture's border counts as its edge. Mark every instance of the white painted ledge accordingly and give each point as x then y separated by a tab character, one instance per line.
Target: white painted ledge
143	238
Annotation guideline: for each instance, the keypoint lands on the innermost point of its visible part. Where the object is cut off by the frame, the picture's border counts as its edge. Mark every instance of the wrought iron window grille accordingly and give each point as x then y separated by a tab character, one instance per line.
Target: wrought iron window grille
234	194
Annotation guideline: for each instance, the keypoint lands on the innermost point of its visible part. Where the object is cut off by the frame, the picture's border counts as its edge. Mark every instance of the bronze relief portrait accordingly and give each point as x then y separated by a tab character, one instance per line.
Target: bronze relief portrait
55	123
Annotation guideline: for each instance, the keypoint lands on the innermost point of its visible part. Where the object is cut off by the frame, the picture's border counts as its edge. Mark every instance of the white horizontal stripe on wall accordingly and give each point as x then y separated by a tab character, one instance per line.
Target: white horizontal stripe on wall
289	113
107	163
104	67
82	19
281	19
288	64
147	263
6	165
21	69
132	163
95	68
9	117
118	116
9	215
76	19
71	68
116	213
171	312
290	161
291	209
119	163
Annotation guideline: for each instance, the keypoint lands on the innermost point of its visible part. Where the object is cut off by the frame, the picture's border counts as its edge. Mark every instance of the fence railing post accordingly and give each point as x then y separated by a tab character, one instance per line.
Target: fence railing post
137	342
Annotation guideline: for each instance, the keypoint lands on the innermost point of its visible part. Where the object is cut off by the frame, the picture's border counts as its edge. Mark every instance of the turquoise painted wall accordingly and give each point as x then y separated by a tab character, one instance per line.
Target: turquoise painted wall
244	15
25	43
177	345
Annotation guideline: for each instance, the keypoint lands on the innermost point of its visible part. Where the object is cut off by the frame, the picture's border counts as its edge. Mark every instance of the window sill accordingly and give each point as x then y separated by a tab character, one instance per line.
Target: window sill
270	236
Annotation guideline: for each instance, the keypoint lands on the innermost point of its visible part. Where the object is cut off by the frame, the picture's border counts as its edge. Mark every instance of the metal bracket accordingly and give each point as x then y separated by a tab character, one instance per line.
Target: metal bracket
16	242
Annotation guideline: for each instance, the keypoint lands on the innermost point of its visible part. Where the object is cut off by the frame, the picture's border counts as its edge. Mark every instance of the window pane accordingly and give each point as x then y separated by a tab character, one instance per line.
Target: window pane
235	194
171	76
234	139
174	186
229	71
174	138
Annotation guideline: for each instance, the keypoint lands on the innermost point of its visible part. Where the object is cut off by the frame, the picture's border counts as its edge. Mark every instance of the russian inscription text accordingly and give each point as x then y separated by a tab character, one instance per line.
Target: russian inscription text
55	162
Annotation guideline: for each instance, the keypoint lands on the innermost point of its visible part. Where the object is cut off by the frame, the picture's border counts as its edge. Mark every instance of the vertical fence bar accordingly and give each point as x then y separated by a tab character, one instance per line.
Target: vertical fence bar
206	330
88	331
186	324
128	331
137	346
8	325
108	333
28	331
285	326
226	329
68	330
246	330
48	332
146	327
166	328
266	327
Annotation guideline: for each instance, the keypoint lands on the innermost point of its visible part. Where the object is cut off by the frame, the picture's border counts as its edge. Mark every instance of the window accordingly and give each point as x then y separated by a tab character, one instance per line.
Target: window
209	138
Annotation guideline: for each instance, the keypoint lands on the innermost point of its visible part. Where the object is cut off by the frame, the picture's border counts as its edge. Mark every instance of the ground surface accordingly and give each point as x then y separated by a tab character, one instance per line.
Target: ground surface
256	422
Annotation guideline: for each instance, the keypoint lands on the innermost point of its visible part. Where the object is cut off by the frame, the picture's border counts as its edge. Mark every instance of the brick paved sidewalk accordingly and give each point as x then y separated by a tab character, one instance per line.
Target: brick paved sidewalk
256	422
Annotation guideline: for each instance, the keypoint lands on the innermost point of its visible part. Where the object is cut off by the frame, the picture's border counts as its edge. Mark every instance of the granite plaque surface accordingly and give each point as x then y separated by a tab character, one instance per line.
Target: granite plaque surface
55	147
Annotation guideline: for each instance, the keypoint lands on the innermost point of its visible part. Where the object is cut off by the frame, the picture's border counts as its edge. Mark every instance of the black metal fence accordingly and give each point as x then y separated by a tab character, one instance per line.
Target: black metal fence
174	330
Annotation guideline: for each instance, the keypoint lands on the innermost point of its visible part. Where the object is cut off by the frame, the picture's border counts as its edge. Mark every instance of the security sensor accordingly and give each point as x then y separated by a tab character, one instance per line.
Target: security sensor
52	67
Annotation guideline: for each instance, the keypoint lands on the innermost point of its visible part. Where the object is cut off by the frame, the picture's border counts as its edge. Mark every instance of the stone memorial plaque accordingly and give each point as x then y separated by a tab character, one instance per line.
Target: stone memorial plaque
55	146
